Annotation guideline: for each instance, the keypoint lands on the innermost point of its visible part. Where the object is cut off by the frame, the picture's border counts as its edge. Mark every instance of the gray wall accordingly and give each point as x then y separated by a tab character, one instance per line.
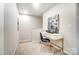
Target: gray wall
26	25
10	28
1	28
77	26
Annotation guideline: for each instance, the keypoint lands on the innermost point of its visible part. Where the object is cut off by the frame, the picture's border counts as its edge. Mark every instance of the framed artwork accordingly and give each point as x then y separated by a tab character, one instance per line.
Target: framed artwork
53	24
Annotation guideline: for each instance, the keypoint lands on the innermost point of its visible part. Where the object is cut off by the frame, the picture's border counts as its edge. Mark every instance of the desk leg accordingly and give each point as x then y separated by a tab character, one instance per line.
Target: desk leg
62	45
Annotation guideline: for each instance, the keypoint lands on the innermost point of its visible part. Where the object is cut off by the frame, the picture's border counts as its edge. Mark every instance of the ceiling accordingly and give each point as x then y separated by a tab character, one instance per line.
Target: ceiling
31	9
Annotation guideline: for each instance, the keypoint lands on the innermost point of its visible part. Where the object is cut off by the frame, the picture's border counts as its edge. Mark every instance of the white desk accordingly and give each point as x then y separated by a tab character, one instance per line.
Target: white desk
55	39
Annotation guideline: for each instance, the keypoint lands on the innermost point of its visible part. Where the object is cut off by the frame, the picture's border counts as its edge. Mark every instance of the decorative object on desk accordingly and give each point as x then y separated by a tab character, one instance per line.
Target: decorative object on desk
53	24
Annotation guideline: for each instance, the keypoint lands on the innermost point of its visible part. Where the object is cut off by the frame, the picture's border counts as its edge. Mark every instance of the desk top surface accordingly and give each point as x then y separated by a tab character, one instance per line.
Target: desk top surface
53	36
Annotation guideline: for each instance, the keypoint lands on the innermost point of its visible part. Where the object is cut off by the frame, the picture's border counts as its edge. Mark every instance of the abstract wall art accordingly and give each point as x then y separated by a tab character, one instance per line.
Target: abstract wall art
53	24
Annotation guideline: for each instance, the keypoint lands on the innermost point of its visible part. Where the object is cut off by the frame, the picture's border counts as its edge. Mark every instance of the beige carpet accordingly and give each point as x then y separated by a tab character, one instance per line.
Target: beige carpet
34	48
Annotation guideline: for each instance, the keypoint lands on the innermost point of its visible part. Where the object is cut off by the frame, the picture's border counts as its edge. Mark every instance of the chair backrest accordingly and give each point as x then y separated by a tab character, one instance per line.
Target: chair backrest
41	36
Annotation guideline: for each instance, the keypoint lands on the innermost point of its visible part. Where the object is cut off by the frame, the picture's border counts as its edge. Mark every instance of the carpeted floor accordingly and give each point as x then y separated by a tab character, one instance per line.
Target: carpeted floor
34	48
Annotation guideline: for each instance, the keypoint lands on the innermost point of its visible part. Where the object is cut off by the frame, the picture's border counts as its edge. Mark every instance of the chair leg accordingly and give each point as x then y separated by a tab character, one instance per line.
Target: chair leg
41	43
62	50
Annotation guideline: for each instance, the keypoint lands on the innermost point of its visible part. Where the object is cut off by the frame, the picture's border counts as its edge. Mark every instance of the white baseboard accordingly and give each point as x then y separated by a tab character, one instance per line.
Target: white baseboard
22	41
67	52
72	51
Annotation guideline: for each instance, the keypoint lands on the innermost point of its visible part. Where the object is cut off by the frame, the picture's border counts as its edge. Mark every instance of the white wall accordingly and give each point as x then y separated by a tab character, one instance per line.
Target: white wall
67	14
10	28
1	29
27	24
